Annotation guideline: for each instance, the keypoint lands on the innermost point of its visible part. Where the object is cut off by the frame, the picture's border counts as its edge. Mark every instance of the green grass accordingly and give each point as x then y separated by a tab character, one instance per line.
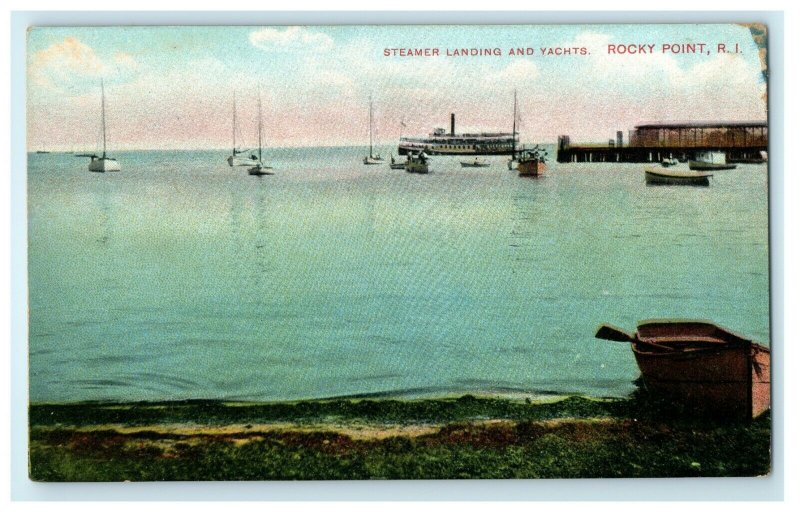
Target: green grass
620	438
466	407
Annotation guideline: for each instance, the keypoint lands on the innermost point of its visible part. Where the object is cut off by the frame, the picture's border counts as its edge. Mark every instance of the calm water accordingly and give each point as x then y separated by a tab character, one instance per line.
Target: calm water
180	277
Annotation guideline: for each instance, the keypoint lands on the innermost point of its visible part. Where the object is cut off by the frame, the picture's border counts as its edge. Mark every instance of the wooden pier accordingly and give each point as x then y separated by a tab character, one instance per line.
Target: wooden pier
741	142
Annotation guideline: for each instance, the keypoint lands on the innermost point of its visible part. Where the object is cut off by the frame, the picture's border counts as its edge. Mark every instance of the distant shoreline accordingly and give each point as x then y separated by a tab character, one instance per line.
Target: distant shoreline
271	148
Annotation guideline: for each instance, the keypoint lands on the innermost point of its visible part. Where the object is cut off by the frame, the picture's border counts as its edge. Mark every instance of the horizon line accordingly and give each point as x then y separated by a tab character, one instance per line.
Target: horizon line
226	148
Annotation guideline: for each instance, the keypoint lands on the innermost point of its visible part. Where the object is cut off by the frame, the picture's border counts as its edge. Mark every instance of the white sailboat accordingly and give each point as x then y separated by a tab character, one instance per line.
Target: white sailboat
371	159
234	159
102	163
259	169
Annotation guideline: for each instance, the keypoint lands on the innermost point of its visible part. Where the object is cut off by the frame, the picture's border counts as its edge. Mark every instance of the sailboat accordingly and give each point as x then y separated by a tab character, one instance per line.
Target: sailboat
102	163
513	158
371	159
234	159
259	169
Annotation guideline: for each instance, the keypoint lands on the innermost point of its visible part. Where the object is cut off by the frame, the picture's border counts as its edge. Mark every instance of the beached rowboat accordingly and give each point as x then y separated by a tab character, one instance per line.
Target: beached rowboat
700	366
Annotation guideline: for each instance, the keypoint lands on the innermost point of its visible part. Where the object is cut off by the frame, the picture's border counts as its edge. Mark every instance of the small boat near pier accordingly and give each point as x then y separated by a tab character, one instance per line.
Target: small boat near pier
531	162
710	161
656	176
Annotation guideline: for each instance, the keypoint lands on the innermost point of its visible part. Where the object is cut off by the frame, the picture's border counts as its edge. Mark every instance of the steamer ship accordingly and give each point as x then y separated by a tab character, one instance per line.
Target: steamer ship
442	143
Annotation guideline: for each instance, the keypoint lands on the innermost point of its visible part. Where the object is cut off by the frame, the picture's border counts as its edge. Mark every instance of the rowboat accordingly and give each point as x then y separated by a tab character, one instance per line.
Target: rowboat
700	366
393	164
656	176
478	162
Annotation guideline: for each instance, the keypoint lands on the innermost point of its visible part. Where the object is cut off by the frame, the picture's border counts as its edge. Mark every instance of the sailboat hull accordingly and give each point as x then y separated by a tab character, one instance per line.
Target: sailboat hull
104	165
259	170
241	161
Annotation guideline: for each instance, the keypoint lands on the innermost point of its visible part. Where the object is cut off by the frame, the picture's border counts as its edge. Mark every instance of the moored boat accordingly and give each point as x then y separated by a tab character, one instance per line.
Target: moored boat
478	162
371	159
102	163
710	161
531	162
260	169
656	176
700	366
669	162
394	164
418	164
239	157
442	142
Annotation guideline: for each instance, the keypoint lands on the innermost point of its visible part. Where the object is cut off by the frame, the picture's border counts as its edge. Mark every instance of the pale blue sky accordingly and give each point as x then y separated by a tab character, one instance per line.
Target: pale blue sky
172	86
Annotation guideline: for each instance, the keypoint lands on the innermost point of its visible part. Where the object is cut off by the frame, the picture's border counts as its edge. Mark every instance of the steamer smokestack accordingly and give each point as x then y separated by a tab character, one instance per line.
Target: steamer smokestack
452	124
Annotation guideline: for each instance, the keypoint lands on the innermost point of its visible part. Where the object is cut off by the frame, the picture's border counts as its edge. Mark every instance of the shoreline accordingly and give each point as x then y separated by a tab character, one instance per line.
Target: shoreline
534	397
340	439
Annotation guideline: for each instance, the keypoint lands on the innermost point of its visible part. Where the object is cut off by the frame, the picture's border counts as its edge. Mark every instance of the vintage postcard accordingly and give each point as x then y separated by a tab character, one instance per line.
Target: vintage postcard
398	252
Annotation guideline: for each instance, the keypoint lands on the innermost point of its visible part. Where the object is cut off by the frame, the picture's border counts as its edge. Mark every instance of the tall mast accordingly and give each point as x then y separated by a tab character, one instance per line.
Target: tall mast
234	123
370	126
103	113
514	130
259	126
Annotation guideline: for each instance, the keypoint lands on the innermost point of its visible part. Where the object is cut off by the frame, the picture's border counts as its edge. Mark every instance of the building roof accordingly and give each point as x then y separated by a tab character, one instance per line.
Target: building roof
725	124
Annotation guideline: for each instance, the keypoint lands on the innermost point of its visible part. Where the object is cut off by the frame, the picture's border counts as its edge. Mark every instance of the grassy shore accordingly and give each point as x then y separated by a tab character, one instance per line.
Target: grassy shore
465	437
